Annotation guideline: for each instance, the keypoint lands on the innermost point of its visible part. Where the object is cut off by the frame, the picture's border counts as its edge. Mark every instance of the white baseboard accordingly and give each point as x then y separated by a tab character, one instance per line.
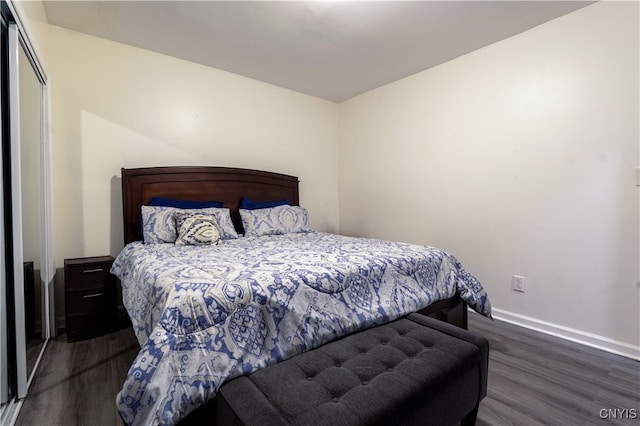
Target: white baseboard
578	336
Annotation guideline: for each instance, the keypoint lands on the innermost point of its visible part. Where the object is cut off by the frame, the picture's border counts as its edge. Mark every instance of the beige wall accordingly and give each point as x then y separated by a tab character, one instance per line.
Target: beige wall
117	106
519	158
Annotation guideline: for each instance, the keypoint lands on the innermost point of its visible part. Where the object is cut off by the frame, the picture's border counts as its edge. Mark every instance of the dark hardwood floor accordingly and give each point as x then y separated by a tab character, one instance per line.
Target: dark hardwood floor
534	379
76	383
537	379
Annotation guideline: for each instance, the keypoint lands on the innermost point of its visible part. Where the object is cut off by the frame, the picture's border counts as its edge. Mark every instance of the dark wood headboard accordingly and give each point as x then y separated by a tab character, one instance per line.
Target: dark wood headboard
200	184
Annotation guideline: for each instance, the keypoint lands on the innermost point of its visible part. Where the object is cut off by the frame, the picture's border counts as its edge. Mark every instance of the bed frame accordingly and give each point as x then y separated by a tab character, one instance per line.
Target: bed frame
224	184
229	185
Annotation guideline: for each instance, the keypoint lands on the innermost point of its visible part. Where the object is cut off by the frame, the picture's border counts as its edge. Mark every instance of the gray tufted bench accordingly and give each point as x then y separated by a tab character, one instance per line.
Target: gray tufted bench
413	371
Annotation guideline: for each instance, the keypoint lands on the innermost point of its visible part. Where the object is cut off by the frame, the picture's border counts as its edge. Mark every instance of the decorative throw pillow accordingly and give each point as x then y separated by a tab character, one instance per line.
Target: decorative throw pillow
159	223
196	229
274	221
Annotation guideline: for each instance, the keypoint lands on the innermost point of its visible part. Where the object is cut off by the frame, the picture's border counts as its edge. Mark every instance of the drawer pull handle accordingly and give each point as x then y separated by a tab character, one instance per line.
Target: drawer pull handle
88	296
90	271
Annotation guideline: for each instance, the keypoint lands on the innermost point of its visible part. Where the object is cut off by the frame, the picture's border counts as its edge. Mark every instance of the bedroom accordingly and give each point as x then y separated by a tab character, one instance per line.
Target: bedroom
518	157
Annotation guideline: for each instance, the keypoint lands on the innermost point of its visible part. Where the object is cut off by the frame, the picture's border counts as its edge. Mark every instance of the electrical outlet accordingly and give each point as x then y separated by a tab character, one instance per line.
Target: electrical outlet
517	283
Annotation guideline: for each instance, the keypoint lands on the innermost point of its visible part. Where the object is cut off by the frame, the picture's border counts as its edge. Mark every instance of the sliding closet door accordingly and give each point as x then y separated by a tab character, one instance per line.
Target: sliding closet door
16	211
8	376
27	268
30	189
29	250
6	319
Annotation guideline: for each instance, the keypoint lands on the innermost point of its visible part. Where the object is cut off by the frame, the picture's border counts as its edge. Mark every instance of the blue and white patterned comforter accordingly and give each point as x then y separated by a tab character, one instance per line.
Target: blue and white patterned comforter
206	314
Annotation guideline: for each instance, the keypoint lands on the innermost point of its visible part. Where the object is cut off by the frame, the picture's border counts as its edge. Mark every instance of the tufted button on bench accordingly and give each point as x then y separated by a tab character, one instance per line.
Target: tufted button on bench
413	371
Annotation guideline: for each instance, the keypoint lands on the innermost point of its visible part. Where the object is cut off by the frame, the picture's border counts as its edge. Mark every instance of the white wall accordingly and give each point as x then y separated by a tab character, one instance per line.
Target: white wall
518	158
118	106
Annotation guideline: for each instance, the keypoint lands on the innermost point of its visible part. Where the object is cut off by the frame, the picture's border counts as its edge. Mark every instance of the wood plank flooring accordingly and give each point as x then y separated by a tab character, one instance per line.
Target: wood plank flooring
76	383
534	379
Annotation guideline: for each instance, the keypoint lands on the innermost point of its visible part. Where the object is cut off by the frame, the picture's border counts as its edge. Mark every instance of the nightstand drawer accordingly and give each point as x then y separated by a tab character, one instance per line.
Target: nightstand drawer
89	301
87	273
90	297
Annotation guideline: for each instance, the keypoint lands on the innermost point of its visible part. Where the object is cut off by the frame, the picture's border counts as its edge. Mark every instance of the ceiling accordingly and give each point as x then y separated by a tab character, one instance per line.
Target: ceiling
330	49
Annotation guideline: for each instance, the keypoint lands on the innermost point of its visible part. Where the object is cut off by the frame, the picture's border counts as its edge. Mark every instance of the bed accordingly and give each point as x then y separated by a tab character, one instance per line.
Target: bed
205	314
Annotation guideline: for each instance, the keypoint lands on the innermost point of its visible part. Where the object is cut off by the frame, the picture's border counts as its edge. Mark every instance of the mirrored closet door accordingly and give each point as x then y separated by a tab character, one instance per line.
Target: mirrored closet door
30	100
27	265
6	318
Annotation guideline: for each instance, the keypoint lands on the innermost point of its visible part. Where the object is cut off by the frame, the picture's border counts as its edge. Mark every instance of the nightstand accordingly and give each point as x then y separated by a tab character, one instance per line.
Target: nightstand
90	297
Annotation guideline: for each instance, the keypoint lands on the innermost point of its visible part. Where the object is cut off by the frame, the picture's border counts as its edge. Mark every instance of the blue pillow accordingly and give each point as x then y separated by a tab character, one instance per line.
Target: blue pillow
183	204
247	204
